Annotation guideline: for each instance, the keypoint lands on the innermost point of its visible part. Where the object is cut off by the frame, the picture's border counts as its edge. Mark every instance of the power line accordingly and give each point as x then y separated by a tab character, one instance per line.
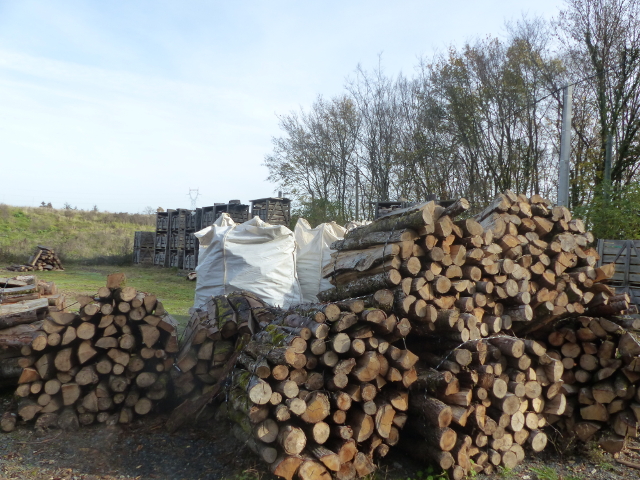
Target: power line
194	193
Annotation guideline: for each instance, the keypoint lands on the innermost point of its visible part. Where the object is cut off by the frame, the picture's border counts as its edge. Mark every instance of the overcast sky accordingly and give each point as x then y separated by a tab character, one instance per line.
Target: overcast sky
128	104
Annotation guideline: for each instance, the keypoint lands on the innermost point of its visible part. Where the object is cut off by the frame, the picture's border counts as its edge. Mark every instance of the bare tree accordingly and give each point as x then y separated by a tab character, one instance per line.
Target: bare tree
602	39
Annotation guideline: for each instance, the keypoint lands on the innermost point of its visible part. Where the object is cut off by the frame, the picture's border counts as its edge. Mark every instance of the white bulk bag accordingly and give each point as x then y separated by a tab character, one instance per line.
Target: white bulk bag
253	256
312	253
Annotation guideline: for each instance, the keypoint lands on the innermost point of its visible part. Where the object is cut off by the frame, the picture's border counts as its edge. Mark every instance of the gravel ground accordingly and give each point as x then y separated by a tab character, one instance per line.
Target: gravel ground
144	450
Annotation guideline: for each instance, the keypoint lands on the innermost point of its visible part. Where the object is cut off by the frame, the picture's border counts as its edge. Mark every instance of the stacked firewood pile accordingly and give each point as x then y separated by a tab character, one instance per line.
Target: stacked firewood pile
519	265
209	340
473	334
601	360
105	364
24	303
44	258
316	389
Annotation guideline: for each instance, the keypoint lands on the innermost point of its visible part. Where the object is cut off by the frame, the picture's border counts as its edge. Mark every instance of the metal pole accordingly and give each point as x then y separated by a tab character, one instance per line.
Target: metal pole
607	166
357	182
565	147
607	159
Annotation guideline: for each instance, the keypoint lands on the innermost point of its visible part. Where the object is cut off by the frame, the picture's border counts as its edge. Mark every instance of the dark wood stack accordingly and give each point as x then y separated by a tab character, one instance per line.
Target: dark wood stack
161	250
209	340
276	211
624	253
319	390
24	303
601	359
143	248
105	364
44	258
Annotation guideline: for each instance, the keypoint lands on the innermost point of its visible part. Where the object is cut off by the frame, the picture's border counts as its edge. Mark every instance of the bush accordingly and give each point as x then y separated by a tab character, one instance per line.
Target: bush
317	211
613	213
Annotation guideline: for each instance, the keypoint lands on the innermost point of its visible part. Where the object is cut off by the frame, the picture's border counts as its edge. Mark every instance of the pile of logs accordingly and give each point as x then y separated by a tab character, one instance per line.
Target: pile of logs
483	404
209	340
519	265
105	364
473	334
44	258
318	390
24	303
601	359
555	259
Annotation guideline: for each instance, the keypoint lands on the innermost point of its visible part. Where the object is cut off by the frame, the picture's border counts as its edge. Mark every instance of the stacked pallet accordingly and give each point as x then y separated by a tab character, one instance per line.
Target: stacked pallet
601	359
24	302
519	265
143	248
624	253
276	211
43	259
105	364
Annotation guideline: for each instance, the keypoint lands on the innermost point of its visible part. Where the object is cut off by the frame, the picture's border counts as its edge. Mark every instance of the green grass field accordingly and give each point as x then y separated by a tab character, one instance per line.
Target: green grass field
77	236
168	284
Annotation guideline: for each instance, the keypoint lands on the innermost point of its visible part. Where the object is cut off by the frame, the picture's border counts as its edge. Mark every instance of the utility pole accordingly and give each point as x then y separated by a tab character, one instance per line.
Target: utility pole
607	166
357	182
565	147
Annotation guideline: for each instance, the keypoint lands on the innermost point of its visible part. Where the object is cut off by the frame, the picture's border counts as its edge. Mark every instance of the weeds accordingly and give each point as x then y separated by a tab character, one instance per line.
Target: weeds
545	473
249	474
430	474
506	473
594	453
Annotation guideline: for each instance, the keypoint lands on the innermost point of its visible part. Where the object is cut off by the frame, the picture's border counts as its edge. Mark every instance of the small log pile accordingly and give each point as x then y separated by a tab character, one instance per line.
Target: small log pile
601	359
105	364
551	254
320	390
44	258
482	403
209	340
24	303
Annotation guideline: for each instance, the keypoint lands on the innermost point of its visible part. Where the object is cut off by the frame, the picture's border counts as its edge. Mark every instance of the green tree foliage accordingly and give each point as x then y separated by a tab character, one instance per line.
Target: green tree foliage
614	213
317	211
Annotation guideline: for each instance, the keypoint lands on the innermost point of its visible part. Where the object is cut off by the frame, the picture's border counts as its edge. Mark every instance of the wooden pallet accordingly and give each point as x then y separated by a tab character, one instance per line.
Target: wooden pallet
143	239
190	261
162	221
176	258
159	258
143	256
276	211
626	255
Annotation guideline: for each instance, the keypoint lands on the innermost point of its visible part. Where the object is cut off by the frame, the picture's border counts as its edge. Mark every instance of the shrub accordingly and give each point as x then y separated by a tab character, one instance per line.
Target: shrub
613	213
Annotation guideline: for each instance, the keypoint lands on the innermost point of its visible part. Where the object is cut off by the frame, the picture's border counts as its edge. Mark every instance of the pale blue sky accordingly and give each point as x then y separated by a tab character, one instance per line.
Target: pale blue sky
126	104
